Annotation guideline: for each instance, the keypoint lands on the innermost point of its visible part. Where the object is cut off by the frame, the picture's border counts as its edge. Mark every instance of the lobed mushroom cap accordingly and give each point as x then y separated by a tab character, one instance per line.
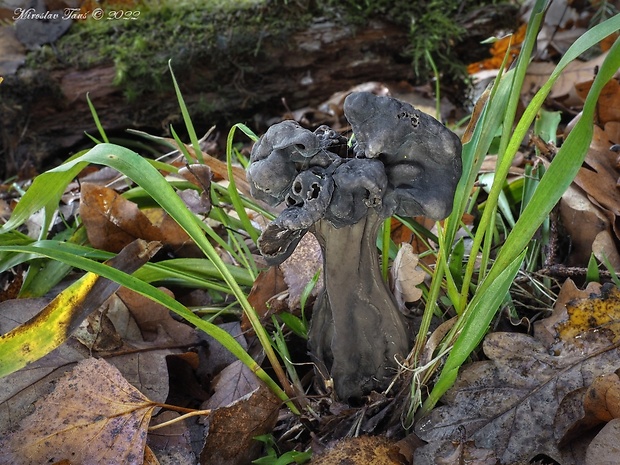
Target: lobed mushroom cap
406	163
422	157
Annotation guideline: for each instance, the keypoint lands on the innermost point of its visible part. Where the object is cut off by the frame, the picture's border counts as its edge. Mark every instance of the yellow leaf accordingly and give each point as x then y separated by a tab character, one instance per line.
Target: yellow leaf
93	416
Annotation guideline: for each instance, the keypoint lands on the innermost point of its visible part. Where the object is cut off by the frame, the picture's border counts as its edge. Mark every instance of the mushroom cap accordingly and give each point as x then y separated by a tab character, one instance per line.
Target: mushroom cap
422	157
407	163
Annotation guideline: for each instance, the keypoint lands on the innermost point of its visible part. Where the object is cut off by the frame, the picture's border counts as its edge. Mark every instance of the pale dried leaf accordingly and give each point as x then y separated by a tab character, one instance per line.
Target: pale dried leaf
576	71
605	250
301	267
583	221
154	320
93	416
406	276
217	357
603	449
233	382
585	408
172	443
598	178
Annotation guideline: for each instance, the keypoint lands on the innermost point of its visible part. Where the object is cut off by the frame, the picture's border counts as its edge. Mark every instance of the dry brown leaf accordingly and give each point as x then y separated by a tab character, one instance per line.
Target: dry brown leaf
599	177
603	449
233	382
604	249
243	409
508	403
168	231
199	175
608	103
217	357
406	276
585	408
583	222
363	450
154	320
267	285
591	207
93	416
112	222
149	457
279	288
576	71
171	443
97	332
457	452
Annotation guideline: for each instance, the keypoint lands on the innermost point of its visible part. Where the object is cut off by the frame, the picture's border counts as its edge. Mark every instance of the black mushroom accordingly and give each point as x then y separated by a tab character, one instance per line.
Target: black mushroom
404	162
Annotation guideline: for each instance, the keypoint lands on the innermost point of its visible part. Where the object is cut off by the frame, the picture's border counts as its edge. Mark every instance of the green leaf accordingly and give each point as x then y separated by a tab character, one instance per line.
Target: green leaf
592	273
481	311
295	324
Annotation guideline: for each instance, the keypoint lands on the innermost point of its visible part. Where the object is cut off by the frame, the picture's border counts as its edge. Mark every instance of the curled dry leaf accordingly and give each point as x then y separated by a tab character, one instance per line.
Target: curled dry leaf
93	416
112	222
591	207
603	449
199	175
154	320
608	104
300	268
269	285
583	222
588	407
564	87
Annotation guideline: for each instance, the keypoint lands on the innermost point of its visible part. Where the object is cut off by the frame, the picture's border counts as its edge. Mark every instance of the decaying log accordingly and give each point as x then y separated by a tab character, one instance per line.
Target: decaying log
44	114
244	71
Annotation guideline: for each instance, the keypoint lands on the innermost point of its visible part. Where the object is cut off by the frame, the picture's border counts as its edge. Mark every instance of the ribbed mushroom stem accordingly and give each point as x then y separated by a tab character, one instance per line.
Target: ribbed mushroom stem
356	329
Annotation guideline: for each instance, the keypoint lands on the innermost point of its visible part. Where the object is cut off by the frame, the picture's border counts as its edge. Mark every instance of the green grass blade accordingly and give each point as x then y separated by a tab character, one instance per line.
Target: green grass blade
93	112
145	175
232	188
186	118
55	251
44	193
553	184
482	308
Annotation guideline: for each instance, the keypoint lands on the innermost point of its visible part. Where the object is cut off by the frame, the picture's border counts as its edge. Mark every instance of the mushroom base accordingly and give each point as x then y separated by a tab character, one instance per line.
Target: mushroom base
357	329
